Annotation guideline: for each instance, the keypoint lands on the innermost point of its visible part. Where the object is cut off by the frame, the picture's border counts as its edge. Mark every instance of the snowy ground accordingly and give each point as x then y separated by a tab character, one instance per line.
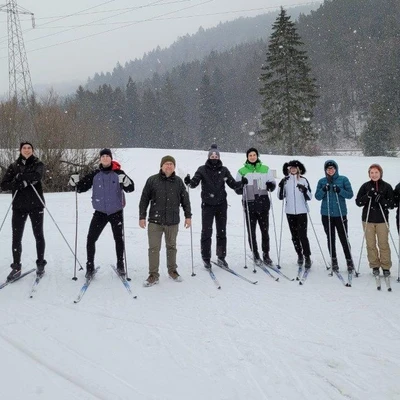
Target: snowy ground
273	340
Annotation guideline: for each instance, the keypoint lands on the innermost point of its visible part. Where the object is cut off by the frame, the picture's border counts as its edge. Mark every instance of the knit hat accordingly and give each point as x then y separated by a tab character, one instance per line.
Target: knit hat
23	144
213	150
251	149
167	159
378	167
329	164
106	152
293	163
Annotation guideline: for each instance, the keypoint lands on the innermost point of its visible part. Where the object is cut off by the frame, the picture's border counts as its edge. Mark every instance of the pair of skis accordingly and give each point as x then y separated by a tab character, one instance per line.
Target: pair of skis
34	285
387	282
89	280
266	267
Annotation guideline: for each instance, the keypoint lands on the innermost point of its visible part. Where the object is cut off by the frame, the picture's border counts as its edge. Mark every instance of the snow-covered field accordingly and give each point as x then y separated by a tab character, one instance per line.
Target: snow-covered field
273	340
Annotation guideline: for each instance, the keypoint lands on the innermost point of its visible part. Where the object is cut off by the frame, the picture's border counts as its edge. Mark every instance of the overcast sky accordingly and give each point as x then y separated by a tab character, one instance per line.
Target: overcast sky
74	39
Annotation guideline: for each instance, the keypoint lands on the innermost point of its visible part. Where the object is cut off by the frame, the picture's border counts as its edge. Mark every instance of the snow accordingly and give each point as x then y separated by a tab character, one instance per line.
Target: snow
189	340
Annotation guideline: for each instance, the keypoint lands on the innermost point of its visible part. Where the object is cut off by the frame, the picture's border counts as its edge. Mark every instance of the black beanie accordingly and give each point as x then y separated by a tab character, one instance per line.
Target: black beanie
251	149
106	152
213	150
23	144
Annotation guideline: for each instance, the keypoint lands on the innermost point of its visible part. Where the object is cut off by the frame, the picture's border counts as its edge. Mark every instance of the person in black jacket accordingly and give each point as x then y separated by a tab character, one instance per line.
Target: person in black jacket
23	177
396	203
213	176
376	198
165	192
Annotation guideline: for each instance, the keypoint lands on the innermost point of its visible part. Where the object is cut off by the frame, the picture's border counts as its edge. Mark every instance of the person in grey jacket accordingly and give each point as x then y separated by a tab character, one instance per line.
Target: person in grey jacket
294	187
165	192
108	183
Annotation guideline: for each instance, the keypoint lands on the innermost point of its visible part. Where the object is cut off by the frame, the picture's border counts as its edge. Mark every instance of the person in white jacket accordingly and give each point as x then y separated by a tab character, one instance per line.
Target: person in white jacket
294	187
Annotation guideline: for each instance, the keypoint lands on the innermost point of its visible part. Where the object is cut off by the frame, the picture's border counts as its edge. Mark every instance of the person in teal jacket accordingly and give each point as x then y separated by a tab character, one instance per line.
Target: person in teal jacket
333	190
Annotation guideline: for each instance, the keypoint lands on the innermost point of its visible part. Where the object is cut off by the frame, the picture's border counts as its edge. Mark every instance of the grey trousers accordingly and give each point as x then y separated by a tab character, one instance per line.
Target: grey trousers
155	233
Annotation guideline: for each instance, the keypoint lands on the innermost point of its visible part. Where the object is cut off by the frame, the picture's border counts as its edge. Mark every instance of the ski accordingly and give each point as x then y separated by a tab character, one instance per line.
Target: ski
266	270
125	282
214	278
85	286
17	279
278	272
340	276
378	282
35	284
350	278
299	272
227	269
304	277
387	281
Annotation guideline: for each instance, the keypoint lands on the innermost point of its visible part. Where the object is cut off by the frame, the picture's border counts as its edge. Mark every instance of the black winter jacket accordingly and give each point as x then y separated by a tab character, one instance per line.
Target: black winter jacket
165	196
19	176
386	198
213	178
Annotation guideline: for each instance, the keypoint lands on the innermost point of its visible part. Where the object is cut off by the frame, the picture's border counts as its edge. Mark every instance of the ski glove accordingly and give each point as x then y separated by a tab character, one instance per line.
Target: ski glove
122	178
336	188
302	188
270	186
283	181
73	180
326	187
245	181
187	179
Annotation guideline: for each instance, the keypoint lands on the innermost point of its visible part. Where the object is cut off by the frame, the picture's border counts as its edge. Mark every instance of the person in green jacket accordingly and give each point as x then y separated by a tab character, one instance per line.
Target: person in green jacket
165	192
259	181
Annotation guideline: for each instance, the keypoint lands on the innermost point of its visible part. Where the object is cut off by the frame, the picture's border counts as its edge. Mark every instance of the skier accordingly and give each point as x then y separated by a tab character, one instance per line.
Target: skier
213	176
376	197
333	190
24	178
108	183
258	181
296	189
165	192
396	203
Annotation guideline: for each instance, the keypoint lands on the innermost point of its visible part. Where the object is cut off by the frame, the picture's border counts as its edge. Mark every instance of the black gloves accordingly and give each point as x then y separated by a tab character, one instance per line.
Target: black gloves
270	186
326	187
245	181
187	179
283	181
336	188
302	188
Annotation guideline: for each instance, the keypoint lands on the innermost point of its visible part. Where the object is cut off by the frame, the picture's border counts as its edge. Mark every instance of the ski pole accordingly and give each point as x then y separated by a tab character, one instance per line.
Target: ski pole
74	278
273	222
191	233
398	231
365	232
330	240
123	238
244	237
280	234
387	226
55	223
8	210
345	231
249	228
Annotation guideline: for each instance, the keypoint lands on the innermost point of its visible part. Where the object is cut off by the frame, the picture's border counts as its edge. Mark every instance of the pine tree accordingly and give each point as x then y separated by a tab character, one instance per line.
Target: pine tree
289	92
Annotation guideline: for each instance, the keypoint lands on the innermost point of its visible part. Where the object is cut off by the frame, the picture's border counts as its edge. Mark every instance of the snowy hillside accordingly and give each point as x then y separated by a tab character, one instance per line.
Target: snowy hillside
189	340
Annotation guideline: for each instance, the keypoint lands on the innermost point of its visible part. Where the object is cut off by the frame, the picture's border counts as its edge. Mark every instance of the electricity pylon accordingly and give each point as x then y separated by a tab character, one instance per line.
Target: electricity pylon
19	76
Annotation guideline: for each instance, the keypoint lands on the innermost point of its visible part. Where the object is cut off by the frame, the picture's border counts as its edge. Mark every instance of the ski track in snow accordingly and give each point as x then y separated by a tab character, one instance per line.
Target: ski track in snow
273	340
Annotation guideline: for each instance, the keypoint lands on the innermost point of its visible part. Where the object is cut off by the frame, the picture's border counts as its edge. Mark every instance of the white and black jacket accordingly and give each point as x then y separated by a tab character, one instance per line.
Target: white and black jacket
295	198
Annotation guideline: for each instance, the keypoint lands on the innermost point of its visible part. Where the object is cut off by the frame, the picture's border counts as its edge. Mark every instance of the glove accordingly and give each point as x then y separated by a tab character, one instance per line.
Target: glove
326	187
270	186
336	188
73	180
245	181
19	177
122	178
187	179
302	188
21	185
371	193
283	181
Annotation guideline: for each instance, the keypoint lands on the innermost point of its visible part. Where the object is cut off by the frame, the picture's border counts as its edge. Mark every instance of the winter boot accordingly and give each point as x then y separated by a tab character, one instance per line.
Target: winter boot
222	263
175	276
375	271
15	271
121	268
151	281
300	260
207	263
89	270
386	272
307	262
40	267
266	259
335	265
350	265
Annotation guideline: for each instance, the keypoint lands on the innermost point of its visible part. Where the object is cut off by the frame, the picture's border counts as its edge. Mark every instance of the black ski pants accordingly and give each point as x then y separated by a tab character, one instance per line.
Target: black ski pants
262	218
19	218
208	214
298	228
98	223
341	227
